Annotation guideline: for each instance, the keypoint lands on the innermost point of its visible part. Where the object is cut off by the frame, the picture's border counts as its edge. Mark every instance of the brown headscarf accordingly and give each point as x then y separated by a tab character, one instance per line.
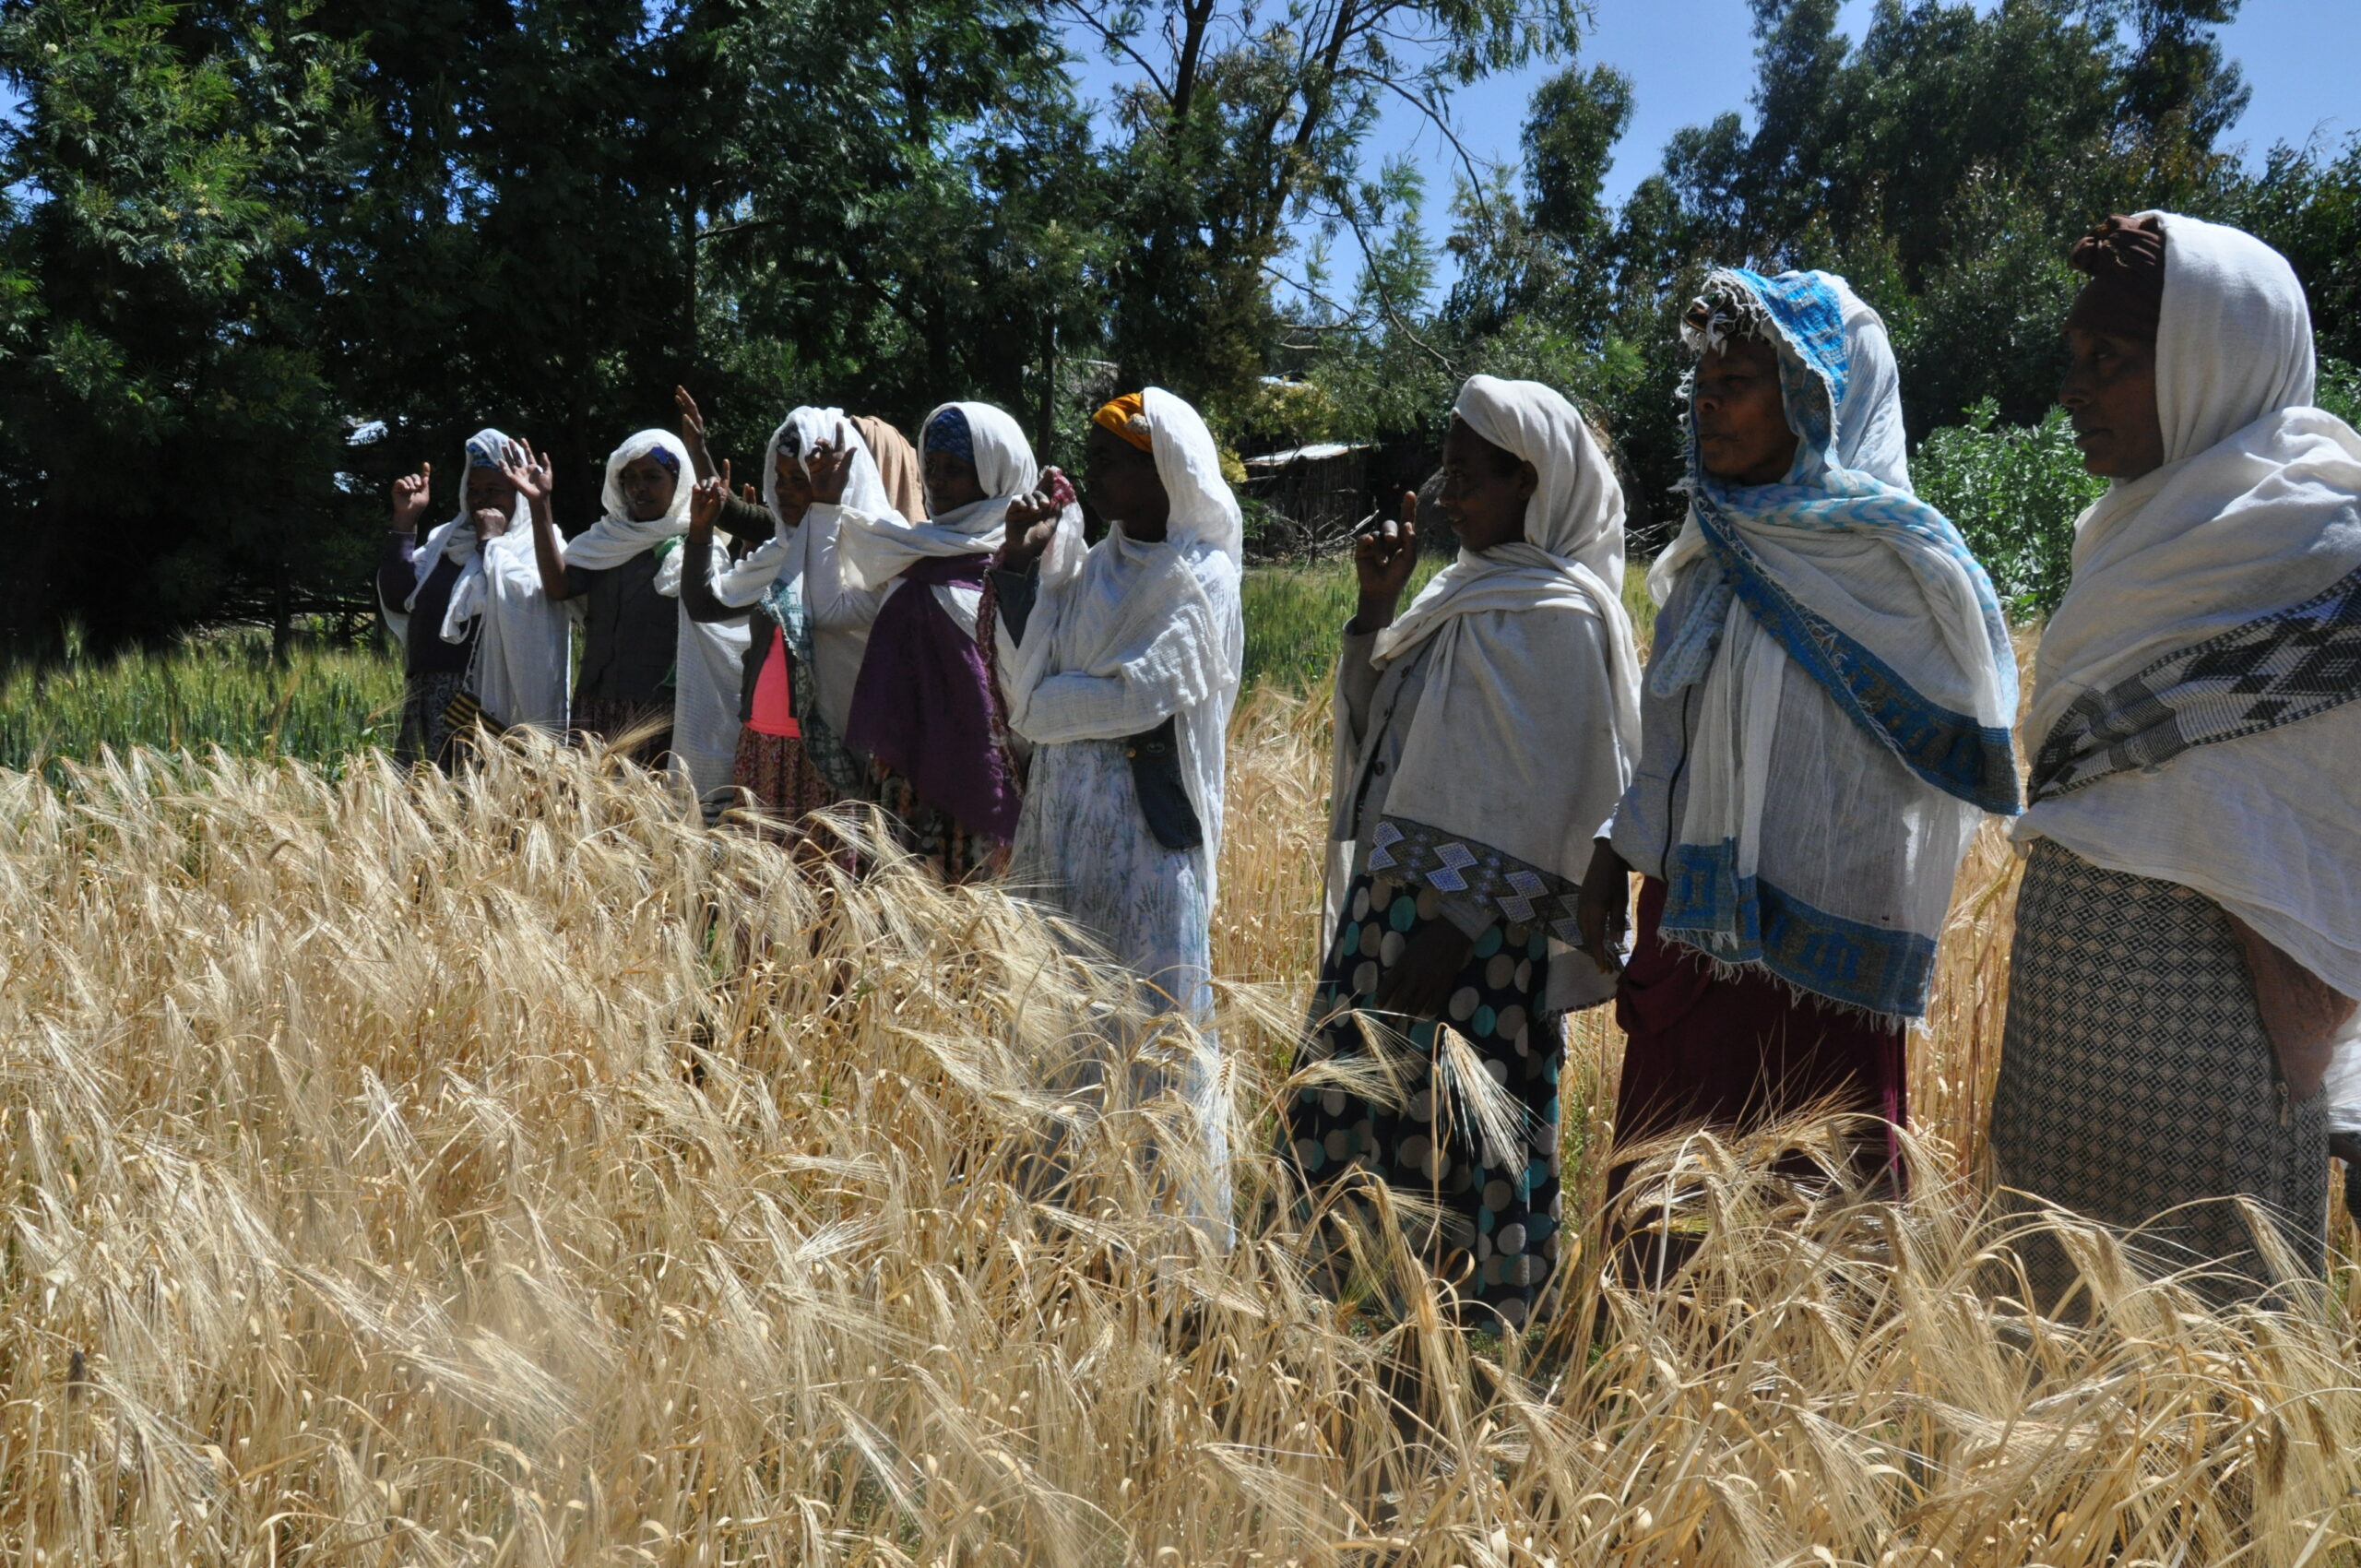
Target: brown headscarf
2124	259
897	464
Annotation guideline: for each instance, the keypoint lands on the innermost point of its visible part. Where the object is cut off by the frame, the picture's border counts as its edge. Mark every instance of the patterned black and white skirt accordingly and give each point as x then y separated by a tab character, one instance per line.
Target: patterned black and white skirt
2138	1086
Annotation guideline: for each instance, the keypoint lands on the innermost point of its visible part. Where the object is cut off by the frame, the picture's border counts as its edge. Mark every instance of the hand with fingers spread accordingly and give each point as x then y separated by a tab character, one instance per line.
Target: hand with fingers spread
1032	520
412	494
532	474
829	464
692	432
1384	555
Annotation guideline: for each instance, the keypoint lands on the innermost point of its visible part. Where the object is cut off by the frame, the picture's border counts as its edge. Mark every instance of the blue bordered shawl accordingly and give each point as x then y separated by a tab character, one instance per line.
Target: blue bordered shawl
1742	919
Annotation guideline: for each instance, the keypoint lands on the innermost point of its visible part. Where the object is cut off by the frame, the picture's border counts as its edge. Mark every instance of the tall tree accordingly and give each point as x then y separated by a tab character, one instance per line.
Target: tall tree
1240	124
171	434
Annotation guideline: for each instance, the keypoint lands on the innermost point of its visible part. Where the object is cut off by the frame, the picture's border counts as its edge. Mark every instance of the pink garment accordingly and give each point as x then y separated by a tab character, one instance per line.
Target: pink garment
774	710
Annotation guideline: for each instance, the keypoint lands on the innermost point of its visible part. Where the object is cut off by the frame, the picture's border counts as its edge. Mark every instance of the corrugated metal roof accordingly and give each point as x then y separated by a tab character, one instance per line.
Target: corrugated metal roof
1319	451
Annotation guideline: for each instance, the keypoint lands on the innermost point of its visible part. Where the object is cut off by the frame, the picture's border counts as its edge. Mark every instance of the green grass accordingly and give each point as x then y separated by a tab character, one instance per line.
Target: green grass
221	687
212	688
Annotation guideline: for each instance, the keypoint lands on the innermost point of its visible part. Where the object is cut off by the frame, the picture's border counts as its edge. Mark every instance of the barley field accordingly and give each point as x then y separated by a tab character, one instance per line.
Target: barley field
502	1171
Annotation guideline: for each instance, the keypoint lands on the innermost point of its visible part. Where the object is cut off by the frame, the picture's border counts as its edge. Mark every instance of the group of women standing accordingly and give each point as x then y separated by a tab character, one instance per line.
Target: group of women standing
1827	715
1793	777
925	631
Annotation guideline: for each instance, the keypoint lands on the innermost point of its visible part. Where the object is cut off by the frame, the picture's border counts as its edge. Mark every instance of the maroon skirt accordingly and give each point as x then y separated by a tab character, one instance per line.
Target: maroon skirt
1736	1052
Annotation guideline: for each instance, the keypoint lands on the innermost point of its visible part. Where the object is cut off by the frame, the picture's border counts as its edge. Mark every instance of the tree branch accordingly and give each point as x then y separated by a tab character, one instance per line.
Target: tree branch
1434	117
1112	40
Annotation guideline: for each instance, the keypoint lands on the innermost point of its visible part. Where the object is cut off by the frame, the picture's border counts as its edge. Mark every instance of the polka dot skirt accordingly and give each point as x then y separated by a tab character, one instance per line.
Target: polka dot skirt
1498	1237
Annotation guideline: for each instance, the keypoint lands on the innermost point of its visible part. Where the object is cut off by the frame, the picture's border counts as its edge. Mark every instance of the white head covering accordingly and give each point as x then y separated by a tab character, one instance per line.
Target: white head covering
808	555
1871	437
523	664
2235	339
1155	628
1573	524
778	556
1528	721
618	536
1189	464
878	549
2256	512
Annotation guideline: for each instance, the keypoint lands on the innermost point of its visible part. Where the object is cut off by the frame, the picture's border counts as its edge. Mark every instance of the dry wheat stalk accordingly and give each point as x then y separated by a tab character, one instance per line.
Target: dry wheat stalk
502	1172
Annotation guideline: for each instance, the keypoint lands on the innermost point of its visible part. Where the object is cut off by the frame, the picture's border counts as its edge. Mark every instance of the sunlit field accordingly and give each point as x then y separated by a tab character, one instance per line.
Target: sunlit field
506	1170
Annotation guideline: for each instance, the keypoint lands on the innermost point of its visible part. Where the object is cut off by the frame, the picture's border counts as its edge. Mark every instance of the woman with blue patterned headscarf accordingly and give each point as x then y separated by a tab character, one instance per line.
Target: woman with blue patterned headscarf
1825	719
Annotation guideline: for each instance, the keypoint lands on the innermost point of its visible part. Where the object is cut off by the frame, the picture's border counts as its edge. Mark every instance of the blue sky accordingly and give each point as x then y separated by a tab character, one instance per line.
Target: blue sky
1690	60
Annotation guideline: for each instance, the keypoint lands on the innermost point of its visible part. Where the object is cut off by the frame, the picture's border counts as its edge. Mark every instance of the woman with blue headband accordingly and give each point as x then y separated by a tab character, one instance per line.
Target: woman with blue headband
1825	719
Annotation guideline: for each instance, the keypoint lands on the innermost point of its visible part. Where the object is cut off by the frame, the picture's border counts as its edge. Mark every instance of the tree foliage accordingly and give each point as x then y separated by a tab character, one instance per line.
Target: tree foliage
256	256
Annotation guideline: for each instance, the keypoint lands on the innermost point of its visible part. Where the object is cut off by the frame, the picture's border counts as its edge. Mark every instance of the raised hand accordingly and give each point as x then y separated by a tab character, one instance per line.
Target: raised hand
692	432
829	464
1384	555
1032	520
530	472
412	494
705	507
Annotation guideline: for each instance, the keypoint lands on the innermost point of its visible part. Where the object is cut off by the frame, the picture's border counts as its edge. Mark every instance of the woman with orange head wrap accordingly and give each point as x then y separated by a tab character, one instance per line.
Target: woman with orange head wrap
1120	665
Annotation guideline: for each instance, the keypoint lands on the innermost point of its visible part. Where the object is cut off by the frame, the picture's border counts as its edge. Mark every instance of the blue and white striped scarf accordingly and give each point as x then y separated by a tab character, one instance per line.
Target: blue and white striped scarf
1873	595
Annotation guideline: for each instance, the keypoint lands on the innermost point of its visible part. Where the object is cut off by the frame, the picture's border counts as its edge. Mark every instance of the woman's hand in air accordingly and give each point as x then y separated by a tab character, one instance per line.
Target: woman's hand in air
1603	912
705	509
1384	553
1419	985
830	468
532	473
1032	521
693	433
412	494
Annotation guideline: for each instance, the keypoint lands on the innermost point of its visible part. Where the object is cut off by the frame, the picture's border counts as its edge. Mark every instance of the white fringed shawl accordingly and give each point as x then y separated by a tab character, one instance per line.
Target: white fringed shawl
1127	634
2192	702
1523	738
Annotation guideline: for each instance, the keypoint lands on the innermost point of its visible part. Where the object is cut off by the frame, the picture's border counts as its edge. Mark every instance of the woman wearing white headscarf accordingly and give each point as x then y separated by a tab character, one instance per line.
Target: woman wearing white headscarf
810	626
2188	933
924	711
1120	666
630	628
1480	740
481	640
1826	717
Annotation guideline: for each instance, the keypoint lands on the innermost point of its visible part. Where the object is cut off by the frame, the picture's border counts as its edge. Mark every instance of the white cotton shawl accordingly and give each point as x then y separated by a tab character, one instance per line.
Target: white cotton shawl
618	536
809	553
1127	634
523	666
708	667
1524	737
877	549
2257	508
1848	831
